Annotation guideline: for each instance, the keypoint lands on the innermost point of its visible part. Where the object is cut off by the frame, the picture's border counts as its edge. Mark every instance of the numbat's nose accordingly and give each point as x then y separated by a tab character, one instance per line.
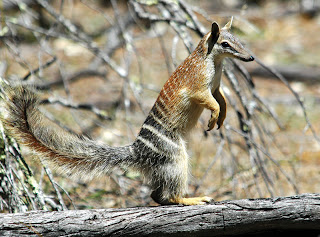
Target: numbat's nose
251	58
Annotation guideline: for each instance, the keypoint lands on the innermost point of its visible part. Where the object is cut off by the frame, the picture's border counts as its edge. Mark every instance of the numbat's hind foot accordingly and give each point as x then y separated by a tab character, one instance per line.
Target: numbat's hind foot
192	201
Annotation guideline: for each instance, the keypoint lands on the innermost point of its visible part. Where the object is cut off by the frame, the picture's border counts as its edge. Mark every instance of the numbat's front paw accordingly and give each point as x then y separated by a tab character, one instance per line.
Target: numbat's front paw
192	201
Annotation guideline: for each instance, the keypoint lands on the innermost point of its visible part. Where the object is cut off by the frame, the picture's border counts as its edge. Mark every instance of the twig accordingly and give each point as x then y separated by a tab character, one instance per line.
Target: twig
164	51
269	156
31	201
174	51
15	201
199	28
213	161
244	123
93	109
84	73
62	20
66	192
81	37
296	95
172	9
47	64
50	176
155	18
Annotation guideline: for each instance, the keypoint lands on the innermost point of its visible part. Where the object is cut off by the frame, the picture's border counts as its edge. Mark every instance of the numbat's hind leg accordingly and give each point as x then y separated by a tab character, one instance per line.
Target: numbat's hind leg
171	183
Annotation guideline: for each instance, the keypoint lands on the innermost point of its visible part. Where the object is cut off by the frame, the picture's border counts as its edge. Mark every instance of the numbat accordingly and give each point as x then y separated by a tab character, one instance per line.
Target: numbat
159	151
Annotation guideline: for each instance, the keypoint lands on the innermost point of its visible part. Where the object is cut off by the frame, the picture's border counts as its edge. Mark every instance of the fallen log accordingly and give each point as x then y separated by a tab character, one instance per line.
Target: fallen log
305	74
261	217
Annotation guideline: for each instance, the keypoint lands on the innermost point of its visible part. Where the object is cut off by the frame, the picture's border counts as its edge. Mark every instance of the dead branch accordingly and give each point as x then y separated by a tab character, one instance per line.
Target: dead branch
89	107
239	217
305	74
85	73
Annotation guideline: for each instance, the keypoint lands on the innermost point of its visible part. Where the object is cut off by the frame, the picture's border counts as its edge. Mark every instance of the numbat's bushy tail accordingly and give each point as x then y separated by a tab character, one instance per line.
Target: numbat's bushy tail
159	151
75	154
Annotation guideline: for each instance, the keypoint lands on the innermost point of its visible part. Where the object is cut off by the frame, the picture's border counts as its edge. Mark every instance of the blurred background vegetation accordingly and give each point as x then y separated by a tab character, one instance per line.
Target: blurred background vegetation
99	66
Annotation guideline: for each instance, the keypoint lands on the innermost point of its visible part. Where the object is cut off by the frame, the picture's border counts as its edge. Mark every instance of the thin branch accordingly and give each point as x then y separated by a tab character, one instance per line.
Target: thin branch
199	28
50	176
155	18
296	95
84	73
213	161
68	195
91	108
269	156
81	37
47	64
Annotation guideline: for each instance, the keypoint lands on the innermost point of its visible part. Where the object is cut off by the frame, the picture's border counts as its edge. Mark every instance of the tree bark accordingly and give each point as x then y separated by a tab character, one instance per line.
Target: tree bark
261	217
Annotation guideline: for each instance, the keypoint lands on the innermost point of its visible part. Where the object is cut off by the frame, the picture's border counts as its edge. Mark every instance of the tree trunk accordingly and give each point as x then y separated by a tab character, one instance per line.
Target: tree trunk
263	217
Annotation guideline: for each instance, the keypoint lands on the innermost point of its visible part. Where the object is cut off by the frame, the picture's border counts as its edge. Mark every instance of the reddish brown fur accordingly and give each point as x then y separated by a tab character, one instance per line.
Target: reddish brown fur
189	76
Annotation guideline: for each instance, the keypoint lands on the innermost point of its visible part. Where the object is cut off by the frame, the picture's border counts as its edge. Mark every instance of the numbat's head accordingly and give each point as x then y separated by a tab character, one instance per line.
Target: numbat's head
220	43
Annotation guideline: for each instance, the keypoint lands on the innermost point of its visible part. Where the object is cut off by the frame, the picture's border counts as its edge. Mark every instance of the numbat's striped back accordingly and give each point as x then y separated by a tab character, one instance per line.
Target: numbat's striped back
173	114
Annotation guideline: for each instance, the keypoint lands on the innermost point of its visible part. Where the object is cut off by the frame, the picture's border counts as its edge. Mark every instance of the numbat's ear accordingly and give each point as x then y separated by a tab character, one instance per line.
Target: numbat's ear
229	24
215	32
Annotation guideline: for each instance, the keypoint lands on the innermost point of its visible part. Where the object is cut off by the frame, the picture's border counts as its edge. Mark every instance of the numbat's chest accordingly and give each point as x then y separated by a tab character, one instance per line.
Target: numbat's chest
214	72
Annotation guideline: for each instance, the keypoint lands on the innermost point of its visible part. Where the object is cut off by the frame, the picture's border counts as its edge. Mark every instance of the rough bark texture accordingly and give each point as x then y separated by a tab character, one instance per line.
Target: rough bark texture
263	217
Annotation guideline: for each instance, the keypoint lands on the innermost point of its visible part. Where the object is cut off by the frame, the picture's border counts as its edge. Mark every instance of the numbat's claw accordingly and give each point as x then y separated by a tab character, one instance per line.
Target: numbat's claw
212	122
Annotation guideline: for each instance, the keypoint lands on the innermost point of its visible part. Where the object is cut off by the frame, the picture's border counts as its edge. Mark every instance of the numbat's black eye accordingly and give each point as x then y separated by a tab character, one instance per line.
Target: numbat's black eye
225	45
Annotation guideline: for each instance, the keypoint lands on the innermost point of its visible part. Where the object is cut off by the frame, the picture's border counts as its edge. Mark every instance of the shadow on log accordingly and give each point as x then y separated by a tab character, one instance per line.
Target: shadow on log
257	217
